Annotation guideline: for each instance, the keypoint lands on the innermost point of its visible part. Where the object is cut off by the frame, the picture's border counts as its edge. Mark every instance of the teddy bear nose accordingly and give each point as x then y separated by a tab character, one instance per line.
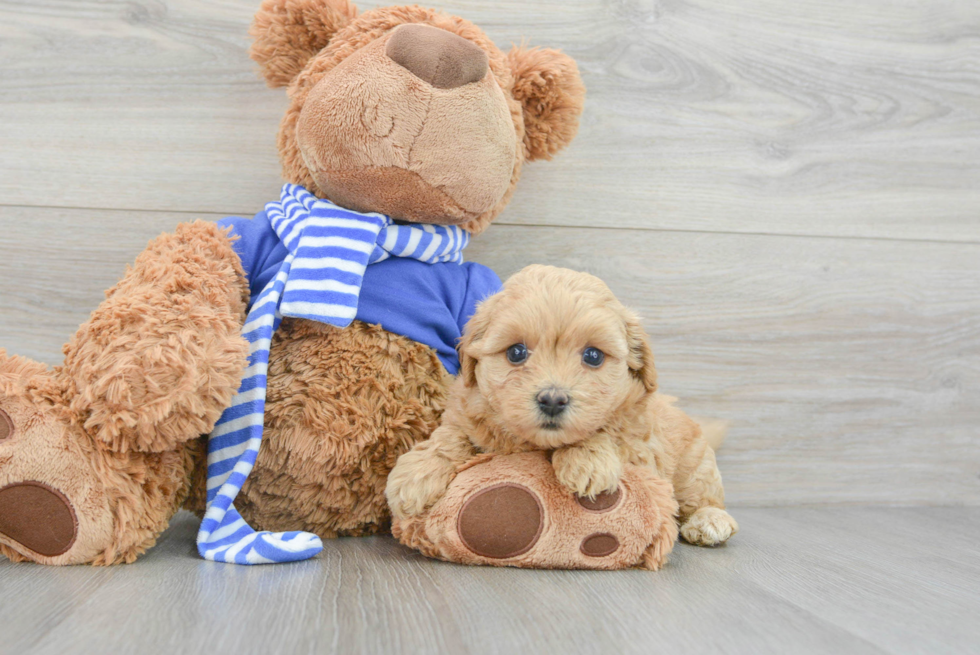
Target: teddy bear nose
441	58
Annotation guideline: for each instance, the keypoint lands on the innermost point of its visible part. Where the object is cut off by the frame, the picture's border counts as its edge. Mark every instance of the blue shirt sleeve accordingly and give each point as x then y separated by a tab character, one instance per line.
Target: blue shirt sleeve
259	248
482	283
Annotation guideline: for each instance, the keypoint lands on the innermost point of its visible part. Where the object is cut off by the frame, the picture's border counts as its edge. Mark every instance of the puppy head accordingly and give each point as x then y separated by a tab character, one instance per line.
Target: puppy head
554	356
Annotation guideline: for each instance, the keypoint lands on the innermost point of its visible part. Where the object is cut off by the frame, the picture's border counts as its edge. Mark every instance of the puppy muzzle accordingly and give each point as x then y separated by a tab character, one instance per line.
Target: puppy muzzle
552	403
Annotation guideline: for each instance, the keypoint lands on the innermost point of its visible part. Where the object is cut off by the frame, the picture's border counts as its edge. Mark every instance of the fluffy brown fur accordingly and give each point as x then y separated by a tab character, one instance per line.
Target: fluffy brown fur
613	416
342	406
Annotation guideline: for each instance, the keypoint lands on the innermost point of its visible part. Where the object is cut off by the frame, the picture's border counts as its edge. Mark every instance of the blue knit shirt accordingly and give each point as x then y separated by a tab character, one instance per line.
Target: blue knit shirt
428	303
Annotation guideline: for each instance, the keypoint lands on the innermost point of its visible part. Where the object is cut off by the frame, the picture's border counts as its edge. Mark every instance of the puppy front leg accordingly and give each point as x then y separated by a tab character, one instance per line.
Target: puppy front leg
590	467
421	475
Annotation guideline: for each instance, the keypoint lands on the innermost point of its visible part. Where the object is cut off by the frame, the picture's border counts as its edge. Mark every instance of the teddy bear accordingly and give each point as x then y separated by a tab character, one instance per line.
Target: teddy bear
266	373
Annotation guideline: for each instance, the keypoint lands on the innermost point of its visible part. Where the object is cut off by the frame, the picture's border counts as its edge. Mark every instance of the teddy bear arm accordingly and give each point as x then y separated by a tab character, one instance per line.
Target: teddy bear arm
160	359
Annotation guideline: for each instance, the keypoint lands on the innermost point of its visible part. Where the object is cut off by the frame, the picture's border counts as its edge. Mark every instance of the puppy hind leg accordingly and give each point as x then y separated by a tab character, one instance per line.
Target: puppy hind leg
701	497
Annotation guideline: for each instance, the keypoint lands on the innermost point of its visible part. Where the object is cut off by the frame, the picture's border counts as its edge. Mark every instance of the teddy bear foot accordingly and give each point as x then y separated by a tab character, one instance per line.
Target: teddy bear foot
53	510
510	510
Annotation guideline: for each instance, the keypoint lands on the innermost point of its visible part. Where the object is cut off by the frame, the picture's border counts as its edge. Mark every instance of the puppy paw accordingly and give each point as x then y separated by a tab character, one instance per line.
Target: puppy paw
416	484
709	526
414	498
587	472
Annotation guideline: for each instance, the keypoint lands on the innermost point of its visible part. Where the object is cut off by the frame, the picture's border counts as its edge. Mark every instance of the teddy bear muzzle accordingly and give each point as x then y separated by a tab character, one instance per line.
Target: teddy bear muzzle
412	125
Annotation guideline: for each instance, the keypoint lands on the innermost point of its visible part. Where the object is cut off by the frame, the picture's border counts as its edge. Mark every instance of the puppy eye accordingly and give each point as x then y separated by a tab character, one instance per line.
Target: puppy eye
517	353
593	357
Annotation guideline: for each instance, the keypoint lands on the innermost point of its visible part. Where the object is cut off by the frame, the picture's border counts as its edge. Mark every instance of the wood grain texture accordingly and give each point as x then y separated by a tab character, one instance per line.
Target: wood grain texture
855	580
821	118
849	368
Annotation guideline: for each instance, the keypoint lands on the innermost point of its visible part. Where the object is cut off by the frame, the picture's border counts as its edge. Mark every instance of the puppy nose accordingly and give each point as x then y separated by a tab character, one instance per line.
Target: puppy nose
552	401
436	56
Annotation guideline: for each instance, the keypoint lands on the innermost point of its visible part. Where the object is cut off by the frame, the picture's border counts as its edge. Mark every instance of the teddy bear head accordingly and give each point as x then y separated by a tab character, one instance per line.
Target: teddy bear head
410	112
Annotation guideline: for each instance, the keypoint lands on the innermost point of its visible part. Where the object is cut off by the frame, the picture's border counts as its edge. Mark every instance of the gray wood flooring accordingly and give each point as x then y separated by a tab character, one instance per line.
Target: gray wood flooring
795	580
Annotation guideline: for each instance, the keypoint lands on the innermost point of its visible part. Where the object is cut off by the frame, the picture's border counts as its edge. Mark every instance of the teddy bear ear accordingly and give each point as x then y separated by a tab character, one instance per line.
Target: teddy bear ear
288	33
548	85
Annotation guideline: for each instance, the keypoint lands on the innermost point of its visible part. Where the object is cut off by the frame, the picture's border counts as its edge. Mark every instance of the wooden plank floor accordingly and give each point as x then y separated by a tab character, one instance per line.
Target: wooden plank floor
830	580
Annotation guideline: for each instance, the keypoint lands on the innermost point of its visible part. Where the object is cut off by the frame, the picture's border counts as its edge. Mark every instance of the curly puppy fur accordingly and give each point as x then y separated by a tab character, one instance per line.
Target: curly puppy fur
613	415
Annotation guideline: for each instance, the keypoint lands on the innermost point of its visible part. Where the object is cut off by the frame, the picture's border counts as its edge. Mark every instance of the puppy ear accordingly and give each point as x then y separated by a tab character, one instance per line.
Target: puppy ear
640	357
288	33
548	86
475	328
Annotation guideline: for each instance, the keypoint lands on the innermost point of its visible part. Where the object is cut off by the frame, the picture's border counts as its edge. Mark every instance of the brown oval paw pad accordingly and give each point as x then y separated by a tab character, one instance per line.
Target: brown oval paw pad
604	502
599	545
38	517
6	426
501	521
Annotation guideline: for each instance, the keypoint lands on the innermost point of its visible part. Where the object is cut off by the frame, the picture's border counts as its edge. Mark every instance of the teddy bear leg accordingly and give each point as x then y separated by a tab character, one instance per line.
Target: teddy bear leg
52	508
701	497
97	454
65	498
511	510
161	358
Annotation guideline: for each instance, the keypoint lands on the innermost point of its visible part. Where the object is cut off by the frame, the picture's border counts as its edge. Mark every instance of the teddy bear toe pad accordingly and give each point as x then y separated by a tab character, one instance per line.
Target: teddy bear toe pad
6	426
502	521
604	502
510	510
38	517
599	545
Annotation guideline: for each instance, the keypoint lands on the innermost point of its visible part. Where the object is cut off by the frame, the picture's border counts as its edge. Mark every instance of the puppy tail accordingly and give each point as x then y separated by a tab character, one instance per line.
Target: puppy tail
713	430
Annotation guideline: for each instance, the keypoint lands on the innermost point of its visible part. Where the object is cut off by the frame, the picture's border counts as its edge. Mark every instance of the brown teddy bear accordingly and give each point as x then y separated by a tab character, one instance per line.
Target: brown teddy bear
415	126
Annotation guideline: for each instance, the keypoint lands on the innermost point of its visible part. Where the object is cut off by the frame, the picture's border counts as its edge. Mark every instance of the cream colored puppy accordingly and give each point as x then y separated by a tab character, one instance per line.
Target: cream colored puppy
555	362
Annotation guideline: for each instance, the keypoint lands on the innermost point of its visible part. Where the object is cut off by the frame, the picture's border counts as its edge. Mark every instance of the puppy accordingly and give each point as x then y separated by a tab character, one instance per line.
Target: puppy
555	362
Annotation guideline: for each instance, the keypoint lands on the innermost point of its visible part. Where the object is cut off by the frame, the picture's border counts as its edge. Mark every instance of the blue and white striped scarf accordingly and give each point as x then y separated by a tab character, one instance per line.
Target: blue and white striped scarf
320	279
